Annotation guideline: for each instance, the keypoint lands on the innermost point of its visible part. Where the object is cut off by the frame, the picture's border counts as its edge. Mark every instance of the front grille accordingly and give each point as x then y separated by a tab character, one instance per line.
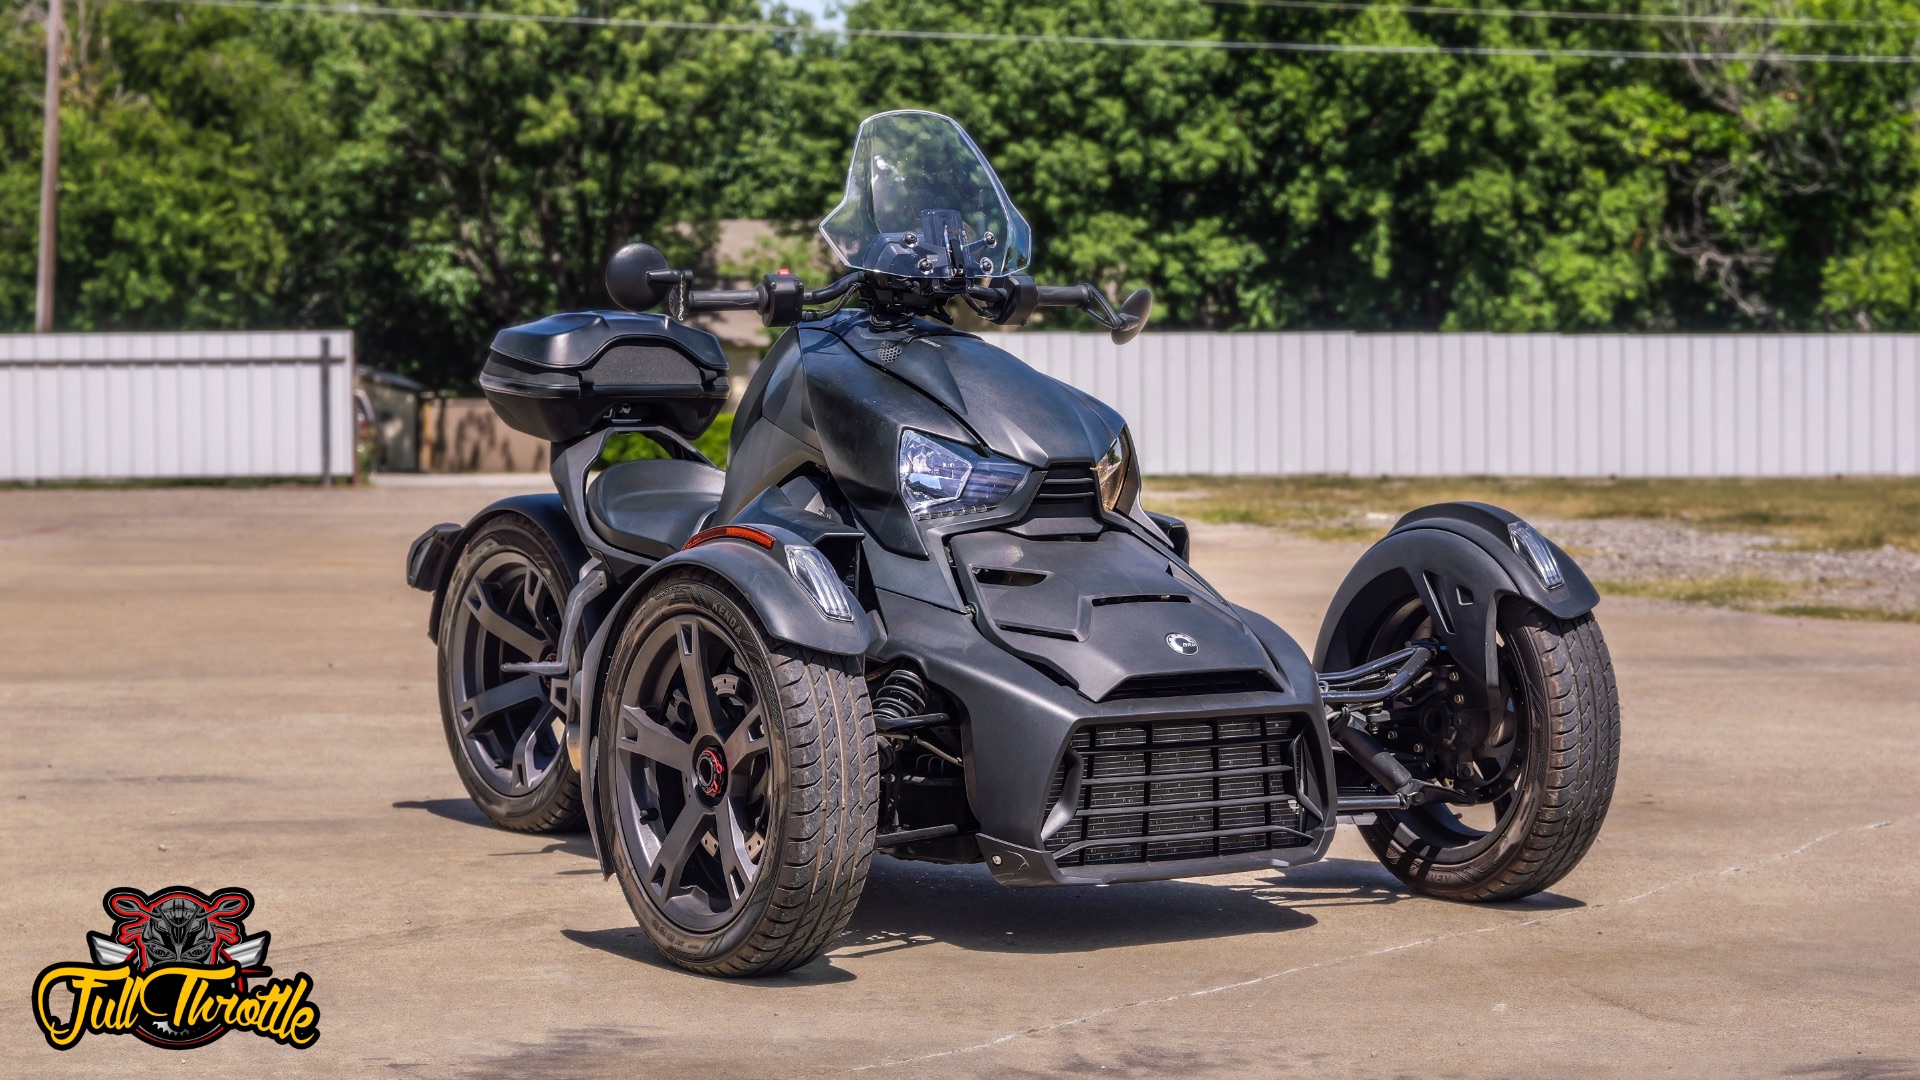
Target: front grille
1180	789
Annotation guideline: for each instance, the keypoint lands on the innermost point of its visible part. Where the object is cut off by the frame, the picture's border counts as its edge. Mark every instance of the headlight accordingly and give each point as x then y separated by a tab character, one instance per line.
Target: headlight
1111	471
941	479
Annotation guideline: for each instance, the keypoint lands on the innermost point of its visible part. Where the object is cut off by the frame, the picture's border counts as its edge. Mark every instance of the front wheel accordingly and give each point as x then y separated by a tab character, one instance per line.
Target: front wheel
741	783
1544	766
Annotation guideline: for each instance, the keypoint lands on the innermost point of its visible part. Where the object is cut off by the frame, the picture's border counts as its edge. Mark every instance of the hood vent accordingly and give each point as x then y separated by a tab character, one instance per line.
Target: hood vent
1192	684
1143	598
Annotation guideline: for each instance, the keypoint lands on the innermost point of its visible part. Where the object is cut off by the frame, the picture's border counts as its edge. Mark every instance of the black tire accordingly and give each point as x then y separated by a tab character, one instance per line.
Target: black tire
781	773
507	732
1558	797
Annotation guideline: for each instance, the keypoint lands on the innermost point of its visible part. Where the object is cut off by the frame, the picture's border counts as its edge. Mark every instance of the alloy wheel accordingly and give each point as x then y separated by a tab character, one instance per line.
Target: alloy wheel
693	778
512	726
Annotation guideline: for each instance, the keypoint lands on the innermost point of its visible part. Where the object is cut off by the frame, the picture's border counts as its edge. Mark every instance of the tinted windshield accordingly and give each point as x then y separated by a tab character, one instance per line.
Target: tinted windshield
923	202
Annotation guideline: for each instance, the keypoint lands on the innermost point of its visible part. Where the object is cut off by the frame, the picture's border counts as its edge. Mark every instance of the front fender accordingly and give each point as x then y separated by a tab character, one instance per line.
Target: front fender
1459	560
431	559
759	576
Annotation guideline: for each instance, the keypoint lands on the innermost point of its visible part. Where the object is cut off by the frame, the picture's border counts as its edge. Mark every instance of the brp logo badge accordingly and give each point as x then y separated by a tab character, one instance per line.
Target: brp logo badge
1183	644
710	772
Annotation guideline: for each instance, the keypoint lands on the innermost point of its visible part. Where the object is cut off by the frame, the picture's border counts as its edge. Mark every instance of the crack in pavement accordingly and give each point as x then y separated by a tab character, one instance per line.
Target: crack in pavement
1778	857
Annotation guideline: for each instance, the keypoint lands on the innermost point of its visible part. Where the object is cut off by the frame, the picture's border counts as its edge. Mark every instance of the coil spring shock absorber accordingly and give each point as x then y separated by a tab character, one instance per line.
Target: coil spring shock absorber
901	696
923	798
900	710
900	704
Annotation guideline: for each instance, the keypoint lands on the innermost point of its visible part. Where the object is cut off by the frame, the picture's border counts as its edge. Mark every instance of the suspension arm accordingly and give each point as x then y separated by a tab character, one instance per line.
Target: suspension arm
1336	688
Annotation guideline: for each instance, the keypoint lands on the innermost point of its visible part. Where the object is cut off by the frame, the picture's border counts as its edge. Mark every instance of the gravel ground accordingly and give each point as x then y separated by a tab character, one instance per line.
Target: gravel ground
1664	554
1742	570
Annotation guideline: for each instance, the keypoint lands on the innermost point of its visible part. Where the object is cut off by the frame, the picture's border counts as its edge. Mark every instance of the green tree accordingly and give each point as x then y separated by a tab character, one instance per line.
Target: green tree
427	181
183	135
487	169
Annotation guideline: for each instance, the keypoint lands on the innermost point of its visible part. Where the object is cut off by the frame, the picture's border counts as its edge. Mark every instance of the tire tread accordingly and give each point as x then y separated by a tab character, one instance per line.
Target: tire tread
832	809
1582	711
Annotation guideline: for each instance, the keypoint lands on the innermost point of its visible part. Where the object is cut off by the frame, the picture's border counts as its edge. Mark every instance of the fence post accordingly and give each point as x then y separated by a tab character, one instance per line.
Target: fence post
326	411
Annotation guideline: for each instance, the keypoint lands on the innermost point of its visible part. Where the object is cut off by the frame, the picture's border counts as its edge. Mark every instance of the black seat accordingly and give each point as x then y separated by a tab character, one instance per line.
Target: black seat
651	507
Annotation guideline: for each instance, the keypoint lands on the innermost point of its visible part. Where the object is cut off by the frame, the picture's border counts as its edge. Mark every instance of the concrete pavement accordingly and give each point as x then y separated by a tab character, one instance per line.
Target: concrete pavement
218	687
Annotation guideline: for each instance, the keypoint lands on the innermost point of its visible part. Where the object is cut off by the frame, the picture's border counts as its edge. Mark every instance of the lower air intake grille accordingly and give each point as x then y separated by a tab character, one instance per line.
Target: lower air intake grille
1180	789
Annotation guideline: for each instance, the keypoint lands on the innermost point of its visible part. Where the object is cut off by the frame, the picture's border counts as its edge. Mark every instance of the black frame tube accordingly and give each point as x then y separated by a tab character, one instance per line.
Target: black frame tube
1410	660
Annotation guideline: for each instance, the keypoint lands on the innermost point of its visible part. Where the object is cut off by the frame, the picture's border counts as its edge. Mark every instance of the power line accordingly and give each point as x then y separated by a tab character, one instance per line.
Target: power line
1581	16
985	37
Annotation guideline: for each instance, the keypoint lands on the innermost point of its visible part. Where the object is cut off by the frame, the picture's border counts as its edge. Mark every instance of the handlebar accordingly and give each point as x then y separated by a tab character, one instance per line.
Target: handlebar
1012	299
780	299
638	278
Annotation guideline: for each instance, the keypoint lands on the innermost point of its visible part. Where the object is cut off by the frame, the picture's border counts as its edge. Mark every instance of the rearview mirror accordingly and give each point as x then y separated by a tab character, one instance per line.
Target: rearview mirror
1133	315
627	281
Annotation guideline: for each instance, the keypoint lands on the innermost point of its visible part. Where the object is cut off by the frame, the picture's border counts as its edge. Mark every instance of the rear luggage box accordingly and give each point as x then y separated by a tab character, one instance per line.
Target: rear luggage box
566	375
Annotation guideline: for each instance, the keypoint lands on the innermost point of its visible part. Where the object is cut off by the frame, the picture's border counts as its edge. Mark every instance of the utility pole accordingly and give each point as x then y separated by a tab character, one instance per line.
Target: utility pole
49	173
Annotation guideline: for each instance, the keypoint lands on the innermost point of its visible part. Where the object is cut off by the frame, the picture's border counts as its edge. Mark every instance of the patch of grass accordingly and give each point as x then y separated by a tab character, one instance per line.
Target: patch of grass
1722	592
1751	593
1850	614
1343	534
1839	514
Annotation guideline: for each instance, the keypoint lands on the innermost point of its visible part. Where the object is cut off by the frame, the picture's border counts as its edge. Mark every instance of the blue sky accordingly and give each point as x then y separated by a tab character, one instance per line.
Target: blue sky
818	8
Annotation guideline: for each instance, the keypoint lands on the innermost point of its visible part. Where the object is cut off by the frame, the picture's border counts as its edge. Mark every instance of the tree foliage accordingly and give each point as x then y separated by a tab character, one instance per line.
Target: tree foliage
425	181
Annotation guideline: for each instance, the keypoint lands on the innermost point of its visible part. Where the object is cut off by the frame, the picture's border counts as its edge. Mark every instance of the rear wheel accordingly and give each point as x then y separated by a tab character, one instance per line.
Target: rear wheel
507	731
741	783
1541	766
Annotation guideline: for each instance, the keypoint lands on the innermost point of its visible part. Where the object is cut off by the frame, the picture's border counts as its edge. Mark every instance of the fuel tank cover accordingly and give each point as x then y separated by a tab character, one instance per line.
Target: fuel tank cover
1016	411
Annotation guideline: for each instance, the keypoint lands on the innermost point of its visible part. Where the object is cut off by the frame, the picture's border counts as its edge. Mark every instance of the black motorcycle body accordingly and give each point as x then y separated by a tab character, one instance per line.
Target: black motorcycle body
1053	688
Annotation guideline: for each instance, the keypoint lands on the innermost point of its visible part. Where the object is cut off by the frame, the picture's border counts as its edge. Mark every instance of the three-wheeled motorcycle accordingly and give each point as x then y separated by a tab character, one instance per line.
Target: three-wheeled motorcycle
922	612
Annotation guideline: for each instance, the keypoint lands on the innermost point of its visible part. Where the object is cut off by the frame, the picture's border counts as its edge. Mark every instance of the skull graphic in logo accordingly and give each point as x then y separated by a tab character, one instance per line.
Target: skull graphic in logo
1184	644
181	927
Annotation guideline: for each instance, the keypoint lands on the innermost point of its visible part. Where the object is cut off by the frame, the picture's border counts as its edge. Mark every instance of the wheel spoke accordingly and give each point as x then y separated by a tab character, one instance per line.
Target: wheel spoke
735	865
523	755
675	848
749	737
476	709
693	671
522	639
642	735
531	588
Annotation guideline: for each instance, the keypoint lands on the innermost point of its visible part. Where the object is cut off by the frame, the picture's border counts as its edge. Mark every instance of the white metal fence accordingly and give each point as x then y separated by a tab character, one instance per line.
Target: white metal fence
249	404
1503	404
118	406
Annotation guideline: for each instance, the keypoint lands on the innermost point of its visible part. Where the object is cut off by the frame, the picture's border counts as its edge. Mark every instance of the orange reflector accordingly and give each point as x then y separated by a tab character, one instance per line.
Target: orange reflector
729	532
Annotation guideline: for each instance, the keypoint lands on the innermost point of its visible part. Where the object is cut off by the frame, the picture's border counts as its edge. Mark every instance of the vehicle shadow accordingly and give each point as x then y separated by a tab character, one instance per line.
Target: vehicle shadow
464	812
1338	882
912	904
907	905
629	943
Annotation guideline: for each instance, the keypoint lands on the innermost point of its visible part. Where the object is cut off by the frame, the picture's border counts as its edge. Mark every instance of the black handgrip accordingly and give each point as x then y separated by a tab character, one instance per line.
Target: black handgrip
1064	295
723	299
1123	325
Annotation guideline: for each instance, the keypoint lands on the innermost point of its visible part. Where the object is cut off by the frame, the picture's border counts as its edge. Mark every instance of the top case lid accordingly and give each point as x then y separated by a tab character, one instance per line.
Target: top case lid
571	339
